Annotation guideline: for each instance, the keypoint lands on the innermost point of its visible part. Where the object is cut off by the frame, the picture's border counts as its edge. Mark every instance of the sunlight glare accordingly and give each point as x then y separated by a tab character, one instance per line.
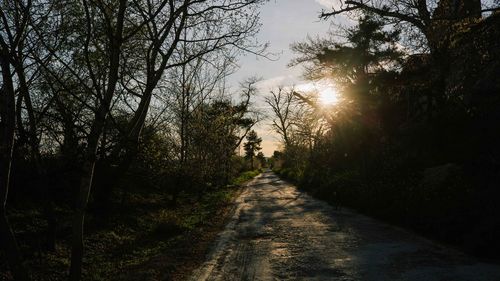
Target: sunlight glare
328	96
326	92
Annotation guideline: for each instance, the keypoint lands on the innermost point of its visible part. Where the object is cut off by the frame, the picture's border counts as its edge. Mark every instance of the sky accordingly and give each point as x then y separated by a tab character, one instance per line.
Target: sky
283	23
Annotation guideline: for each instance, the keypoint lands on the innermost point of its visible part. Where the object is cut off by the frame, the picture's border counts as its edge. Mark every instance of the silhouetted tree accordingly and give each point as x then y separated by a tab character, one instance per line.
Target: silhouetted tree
13	32
80	79
252	146
281	103
262	159
419	17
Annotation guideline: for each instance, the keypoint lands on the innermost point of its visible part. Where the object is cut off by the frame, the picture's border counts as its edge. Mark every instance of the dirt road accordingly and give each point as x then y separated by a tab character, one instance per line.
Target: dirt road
280	233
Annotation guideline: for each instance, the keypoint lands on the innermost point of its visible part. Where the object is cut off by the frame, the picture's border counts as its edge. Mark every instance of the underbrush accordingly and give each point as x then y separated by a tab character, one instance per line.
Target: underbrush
143	237
450	208
246	176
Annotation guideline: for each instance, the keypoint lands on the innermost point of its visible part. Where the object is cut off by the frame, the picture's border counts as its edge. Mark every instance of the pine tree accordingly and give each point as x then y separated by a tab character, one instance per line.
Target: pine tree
252	146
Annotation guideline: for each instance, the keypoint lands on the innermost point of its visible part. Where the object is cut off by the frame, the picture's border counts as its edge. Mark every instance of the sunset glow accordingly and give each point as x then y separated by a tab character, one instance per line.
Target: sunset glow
327	95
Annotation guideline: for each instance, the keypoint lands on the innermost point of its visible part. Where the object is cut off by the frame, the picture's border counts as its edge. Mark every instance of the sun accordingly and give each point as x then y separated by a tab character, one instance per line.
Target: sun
326	93
328	96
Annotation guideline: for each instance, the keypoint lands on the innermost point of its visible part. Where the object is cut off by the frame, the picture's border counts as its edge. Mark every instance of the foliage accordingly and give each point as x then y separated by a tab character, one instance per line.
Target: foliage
97	98
246	176
403	143
251	146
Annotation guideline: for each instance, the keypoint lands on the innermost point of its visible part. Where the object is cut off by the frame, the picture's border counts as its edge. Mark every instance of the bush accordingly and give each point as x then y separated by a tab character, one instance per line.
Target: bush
246	176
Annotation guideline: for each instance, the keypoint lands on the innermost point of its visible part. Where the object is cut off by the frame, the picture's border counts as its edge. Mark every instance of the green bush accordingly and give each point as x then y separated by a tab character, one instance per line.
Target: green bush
245	176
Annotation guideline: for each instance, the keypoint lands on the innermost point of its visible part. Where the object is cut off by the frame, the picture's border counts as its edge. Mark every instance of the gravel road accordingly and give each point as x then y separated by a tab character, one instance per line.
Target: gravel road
280	233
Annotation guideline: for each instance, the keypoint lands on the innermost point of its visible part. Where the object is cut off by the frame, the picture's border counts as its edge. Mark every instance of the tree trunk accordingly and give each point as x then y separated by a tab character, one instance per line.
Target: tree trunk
8	117
129	146
115	37
84	191
34	143
78	221
11	249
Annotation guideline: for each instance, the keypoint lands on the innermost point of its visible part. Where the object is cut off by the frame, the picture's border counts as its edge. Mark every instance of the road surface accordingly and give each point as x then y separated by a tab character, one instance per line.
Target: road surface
280	233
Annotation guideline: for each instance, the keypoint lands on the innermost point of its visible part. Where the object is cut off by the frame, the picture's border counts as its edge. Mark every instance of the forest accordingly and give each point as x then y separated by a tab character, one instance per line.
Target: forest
122	147
413	138
117	107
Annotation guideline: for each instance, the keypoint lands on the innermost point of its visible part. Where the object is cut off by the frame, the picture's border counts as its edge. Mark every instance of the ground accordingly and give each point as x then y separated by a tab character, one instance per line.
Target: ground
280	233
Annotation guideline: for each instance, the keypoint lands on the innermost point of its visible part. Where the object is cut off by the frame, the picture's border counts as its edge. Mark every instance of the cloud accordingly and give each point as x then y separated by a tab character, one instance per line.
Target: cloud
267	85
328	3
270	83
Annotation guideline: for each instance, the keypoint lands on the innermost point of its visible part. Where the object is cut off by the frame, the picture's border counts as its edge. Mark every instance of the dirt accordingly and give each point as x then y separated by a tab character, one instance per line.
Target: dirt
280	233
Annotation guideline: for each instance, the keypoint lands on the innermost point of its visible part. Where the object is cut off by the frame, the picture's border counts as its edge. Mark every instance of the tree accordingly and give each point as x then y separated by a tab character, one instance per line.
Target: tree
252	146
81	79
186	33
13	31
359	66
367	50
119	52
432	22
262	159
176	36
208	128
281	103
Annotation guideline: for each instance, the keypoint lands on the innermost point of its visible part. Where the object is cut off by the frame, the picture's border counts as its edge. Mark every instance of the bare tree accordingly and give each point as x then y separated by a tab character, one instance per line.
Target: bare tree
136	42
178	35
90	60
282	103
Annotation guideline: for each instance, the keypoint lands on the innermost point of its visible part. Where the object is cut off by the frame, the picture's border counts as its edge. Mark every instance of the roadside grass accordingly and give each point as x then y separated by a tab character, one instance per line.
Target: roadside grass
246	176
144	237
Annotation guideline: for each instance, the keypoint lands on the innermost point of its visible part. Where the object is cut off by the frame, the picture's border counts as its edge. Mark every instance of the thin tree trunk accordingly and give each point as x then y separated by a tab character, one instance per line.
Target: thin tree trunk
85	188
78	221
11	249
34	144
84	192
116	40
8	116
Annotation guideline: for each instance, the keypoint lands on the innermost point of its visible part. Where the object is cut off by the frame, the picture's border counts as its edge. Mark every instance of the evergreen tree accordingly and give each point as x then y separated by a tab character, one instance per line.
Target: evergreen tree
252	146
262	159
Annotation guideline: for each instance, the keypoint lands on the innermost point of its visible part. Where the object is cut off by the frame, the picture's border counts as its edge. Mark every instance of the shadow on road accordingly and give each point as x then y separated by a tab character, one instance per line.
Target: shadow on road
280	233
